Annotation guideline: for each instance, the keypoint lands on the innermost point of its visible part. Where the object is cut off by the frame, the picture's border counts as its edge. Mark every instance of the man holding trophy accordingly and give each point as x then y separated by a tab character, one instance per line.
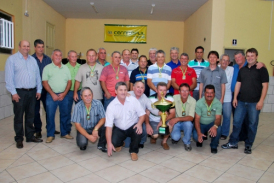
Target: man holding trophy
164	103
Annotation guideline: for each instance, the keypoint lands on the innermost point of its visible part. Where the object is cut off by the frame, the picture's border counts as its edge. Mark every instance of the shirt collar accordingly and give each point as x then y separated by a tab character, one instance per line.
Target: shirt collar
217	68
62	65
197	61
21	56
157	64
100	62
122	62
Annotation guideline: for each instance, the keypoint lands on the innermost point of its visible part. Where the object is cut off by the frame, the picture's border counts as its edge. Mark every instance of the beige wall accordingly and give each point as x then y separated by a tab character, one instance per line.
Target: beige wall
248	21
34	26
12	7
197	27
82	34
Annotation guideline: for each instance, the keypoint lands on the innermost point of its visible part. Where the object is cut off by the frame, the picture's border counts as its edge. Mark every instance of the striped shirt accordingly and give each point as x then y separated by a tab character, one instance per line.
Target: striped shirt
106	63
153	98
154	74
96	113
21	73
130	67
198	67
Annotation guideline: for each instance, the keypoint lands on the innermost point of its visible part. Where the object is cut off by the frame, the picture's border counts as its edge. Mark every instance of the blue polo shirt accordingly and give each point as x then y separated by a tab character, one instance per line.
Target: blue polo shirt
173	66
46	60
136	75
235	75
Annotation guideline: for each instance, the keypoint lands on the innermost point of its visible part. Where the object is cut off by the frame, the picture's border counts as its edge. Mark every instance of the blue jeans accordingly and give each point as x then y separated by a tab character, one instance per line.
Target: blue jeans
227	108
204	128
64	115
187	127
241	110
70	103
107	102
143	139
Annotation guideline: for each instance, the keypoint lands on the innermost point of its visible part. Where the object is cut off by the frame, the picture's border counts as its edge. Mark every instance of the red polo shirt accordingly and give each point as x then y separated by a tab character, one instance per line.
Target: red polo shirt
177	74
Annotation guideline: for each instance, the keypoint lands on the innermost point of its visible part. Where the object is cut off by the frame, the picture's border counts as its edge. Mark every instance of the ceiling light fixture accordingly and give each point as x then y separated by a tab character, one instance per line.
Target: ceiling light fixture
92	4
152	6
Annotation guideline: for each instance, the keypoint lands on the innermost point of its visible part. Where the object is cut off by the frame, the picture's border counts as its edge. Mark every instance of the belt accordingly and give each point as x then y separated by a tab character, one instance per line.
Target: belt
26	89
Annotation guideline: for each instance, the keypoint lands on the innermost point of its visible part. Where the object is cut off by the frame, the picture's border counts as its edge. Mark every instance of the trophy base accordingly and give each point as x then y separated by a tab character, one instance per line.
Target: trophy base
164	130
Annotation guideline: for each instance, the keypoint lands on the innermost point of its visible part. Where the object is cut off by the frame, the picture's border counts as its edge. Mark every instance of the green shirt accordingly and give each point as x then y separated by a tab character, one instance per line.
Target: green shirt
189	106
57	77
201	110
73	72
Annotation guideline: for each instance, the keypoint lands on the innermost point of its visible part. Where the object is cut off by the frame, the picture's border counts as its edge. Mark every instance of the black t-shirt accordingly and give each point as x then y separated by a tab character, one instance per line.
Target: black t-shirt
251	83
149	63
137	75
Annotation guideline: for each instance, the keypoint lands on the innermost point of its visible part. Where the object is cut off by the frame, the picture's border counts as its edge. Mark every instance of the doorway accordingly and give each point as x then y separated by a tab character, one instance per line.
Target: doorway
231	52
50	38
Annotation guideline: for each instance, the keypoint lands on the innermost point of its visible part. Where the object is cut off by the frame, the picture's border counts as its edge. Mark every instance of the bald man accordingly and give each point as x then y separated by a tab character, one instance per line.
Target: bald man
23	81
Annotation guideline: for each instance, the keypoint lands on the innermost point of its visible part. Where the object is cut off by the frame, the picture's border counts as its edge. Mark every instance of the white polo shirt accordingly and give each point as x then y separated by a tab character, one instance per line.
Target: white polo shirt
124	116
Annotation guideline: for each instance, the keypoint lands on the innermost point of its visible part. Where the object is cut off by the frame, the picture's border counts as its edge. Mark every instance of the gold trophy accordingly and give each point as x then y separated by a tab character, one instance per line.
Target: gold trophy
163	105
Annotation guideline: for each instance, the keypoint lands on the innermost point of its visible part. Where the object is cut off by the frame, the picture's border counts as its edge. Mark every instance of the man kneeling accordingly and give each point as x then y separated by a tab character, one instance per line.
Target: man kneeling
124	118
89	118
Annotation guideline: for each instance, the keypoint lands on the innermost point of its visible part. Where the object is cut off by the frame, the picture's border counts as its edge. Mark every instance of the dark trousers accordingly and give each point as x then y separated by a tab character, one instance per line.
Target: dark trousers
37	119
82	141
244	128
118	137
25	105
70	103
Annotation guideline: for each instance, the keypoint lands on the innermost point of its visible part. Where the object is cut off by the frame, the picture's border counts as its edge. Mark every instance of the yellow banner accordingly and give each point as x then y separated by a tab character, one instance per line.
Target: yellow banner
116	33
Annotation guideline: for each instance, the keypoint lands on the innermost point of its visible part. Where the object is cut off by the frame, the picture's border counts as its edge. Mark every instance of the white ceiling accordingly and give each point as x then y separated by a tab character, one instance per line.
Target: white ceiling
168	10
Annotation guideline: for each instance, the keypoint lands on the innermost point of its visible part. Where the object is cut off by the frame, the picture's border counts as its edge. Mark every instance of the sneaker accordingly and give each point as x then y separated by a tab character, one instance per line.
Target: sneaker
67	136
188	147
214	151
134	156
198	144
248	150
103	149
174	142
230	146
83	148
50	139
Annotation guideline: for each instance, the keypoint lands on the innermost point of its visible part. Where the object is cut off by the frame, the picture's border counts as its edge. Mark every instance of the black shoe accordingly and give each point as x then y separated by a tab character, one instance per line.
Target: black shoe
56	132
103	149
229	146
38	135
83	148
34	139
141	146
19	144
174	142
248	150
214	151
198	144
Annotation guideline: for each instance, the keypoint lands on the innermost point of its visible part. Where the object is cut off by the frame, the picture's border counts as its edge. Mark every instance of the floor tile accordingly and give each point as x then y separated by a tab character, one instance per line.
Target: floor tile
89	178
266	178
246	172
64	149
5	163
260	164
96	163
204	173
43	154
178	164
79	155
271	168
217	163
11	154
160	173
6	177
193	157
117	157
228	178
41	178
25	159
137	179
137	166
115	173
155	157
24	171
184	178
55	162
70	172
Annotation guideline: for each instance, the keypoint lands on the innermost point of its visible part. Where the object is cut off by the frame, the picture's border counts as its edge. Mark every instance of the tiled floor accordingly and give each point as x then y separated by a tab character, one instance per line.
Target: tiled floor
62	161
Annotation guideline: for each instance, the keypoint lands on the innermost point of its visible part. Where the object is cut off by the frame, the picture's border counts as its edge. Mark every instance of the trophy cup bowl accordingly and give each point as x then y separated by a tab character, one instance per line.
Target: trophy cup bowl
163	105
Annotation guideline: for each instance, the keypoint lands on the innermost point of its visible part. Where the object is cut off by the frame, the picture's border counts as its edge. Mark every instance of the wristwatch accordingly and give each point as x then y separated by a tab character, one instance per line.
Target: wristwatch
95	129
216	126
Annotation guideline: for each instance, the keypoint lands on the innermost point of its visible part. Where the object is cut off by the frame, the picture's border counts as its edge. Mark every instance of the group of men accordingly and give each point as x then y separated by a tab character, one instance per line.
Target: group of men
113	100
